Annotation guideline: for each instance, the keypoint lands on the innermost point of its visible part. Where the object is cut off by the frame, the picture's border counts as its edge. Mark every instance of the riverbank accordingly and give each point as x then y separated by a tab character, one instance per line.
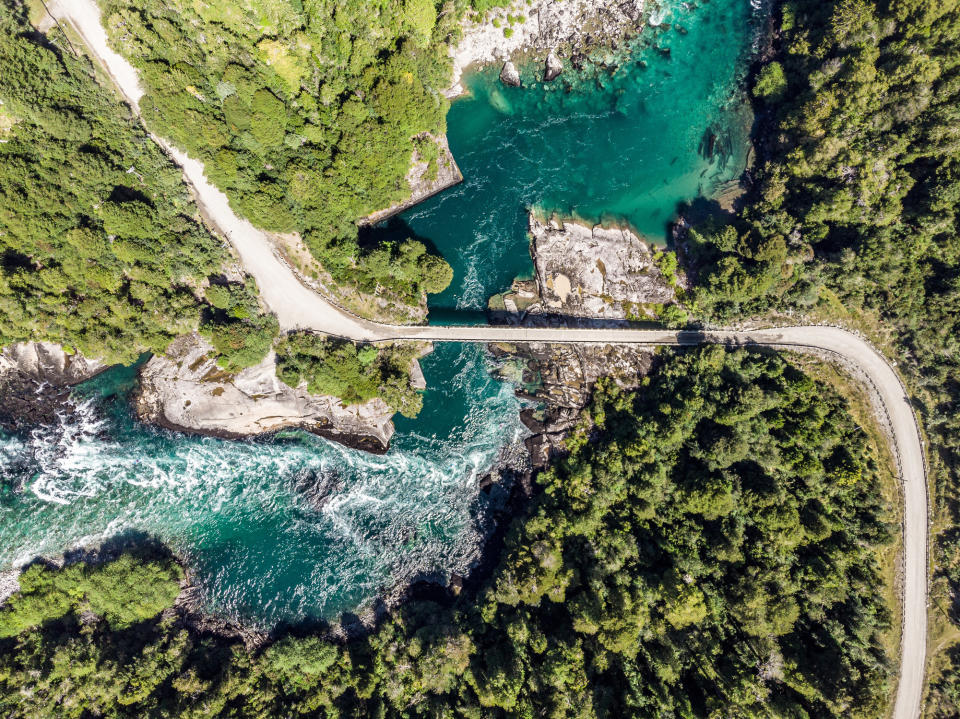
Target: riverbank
36	380
565	28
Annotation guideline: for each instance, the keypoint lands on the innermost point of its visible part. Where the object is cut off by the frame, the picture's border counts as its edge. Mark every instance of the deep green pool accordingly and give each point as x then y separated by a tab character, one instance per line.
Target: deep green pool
627	146
296	526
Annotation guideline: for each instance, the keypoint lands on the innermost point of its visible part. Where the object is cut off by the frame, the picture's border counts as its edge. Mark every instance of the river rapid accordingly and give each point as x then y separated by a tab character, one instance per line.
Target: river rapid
294	526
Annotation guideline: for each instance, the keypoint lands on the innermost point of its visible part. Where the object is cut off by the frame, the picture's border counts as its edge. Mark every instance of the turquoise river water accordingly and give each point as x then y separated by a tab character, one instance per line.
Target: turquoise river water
295	526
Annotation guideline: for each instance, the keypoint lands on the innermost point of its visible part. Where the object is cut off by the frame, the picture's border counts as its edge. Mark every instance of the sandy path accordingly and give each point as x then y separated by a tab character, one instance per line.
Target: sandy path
297	306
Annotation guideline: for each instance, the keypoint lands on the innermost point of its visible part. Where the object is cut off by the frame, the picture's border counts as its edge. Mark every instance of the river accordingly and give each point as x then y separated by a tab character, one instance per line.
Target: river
295	526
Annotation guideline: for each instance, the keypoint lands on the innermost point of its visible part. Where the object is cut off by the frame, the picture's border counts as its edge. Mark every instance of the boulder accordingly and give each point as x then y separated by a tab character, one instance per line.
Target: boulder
594	272
552	68
509	75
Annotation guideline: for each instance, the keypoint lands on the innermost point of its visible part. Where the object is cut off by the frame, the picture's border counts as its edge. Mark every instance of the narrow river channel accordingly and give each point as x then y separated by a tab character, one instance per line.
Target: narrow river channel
295	526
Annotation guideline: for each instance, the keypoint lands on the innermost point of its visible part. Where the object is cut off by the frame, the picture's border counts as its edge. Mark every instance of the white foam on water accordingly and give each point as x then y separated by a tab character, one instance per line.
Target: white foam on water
239	511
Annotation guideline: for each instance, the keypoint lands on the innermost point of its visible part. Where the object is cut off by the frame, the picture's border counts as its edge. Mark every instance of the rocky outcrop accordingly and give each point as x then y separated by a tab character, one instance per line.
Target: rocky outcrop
45	362
594	271
552	67
186	390
426	178
509	75
584	275
35	381
572	27
590	272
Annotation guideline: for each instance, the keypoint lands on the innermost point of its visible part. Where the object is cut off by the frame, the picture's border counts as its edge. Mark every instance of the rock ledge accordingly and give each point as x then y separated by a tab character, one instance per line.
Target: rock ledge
185	390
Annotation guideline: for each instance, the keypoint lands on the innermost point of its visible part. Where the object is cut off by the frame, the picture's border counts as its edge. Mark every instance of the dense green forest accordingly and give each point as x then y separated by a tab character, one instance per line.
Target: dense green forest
100	246
354	373
305	114
707	549
855	211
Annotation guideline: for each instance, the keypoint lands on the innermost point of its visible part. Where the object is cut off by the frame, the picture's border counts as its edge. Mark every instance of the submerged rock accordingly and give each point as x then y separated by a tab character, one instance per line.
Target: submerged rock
509	75
186	390
318	487
552	68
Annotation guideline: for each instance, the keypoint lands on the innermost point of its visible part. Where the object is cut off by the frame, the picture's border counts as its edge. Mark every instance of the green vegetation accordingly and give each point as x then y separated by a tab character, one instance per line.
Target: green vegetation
855	214
241	334
100	248
708	549
483	6
123	592
304	114
354	373
771	82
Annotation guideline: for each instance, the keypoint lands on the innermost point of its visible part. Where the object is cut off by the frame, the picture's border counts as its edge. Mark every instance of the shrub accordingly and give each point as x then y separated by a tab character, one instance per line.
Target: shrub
771	82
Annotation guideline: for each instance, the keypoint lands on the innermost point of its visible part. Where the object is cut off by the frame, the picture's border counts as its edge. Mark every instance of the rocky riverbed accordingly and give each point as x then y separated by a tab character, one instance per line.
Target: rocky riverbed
545	28
584	274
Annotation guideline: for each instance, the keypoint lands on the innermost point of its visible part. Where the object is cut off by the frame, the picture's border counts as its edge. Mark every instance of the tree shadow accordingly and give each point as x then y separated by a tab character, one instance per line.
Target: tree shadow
394	231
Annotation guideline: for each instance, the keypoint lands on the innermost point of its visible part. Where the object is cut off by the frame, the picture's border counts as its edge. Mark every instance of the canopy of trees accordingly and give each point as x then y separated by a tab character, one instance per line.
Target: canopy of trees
354	373
100	246
305	114
707	550
858	201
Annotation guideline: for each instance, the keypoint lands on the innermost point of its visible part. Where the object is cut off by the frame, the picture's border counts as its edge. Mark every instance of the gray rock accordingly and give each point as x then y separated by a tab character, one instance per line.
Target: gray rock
417	380
186	390
47	362
509	75
35	381
594	272
552	68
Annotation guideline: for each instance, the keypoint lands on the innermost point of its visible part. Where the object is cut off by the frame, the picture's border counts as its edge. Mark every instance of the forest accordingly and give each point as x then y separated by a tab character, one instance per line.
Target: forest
854	215
101	247
305	114
707	549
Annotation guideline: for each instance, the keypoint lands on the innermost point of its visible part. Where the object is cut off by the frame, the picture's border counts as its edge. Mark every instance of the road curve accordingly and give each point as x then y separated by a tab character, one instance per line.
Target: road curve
887	395
298	307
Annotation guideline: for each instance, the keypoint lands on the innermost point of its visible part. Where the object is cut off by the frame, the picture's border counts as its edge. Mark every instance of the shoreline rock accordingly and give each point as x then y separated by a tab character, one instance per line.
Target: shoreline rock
568	27
552	67
35	382
185	390
509	75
